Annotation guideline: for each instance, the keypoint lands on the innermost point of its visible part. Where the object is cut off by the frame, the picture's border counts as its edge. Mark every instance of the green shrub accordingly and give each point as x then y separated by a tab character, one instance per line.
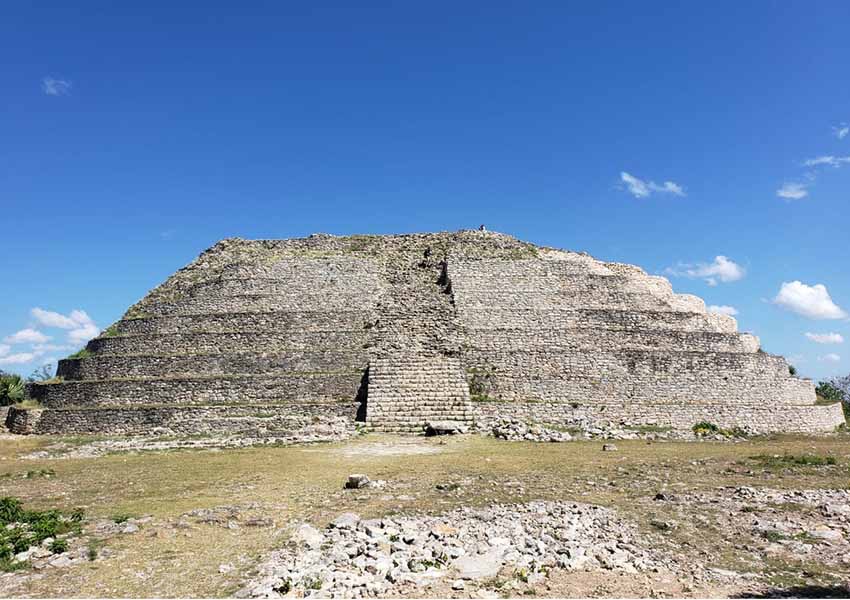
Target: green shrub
59	546
20	528
705	428
792	370
829	392
11	389
121	518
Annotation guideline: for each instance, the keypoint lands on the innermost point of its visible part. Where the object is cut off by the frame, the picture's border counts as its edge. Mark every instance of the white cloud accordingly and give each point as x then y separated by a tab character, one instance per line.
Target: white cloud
831	357
723	310
841	131
53	319
792	191
826	338
54	347
4	349
55	87
830	161
27	336
642	189
721	269
82	327
83	334
813	302
19	358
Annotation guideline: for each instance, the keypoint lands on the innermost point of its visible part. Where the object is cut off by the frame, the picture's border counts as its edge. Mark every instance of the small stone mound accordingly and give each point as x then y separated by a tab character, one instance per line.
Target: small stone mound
360	558
516	430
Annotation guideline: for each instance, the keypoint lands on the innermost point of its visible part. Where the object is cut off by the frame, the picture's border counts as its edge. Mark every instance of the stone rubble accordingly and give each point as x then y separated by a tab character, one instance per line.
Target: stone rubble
356	557
516	430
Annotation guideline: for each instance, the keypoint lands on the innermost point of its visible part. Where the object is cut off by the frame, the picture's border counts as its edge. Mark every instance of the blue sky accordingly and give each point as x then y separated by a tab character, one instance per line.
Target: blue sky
660	134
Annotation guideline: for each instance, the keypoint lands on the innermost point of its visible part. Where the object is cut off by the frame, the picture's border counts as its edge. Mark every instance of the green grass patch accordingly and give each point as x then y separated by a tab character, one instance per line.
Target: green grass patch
111	331
794	460
81	353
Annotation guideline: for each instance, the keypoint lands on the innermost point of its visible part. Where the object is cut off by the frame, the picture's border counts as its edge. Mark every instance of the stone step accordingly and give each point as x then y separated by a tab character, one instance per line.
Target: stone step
593	339
284	421
629	318
248	363
663	389
259	303
229	342
302	321
638	365
313	388
606	298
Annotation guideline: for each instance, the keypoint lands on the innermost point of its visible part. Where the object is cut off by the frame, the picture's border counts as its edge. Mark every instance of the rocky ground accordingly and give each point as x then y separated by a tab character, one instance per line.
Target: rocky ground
462	516
463	550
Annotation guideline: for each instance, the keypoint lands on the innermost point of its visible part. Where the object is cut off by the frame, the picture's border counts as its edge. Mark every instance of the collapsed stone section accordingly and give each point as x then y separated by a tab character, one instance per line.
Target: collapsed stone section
276	336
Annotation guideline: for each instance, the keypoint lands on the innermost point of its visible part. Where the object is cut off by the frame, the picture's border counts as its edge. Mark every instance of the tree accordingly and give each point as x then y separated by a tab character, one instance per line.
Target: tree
830	392
43	373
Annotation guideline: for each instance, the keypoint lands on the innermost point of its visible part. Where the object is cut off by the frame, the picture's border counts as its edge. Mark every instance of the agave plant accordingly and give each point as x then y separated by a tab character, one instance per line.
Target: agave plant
11	389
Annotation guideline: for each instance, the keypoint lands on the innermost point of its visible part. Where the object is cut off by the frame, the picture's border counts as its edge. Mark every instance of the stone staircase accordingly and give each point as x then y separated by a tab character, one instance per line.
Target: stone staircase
406	392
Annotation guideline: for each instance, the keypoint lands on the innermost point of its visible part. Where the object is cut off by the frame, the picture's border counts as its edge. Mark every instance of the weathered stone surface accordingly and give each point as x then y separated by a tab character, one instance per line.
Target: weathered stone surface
369	558
399	331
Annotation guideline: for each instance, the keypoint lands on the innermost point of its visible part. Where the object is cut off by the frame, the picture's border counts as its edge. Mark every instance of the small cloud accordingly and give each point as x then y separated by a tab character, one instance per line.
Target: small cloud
796	359
55	87
826	338
52	319
721	269
792	191
27	336
642	189
4	349
42	348
723	310
81	327
841	131
813	301
831	357
829	161
19	358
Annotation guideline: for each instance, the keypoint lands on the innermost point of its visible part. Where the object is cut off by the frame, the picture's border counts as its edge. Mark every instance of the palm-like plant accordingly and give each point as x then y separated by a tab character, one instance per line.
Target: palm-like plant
11	389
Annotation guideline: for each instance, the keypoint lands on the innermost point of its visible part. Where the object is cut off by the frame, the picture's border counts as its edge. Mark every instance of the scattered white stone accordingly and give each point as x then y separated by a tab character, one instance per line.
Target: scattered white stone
359	558
346	521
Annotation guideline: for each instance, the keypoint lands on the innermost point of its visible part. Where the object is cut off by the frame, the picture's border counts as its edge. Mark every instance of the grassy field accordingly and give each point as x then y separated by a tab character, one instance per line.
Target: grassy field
174	555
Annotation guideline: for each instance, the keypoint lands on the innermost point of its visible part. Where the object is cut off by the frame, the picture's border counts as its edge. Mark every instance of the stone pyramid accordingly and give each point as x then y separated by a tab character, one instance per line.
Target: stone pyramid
301	336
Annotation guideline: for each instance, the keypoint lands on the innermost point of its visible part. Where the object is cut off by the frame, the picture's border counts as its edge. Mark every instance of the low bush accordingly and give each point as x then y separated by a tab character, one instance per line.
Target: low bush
705	428
20	528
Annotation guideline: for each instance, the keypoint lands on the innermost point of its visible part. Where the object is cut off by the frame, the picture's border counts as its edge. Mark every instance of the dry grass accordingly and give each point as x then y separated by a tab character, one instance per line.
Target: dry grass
290	484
